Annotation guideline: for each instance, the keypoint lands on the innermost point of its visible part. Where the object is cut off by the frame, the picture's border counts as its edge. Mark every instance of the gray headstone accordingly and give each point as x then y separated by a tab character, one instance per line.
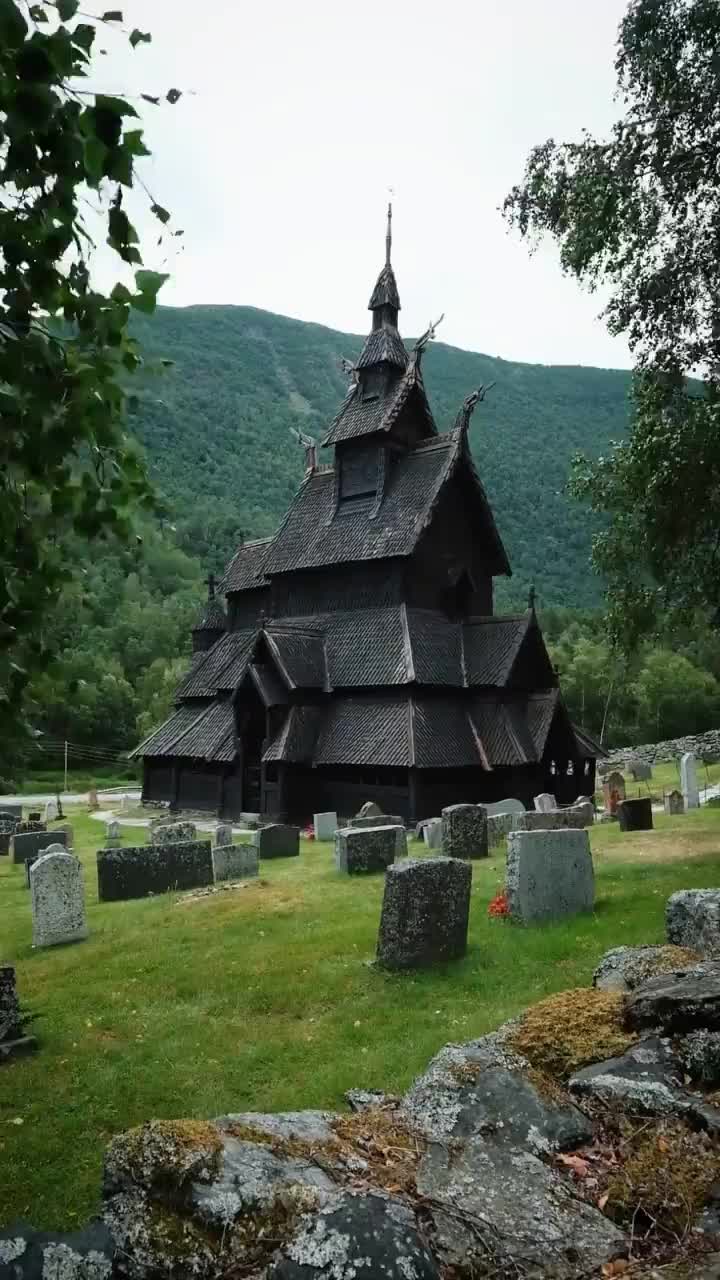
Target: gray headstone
112	834
688	781
549	874
57	898
34	842
325	825
639	770
359	849
504	806
223	834
12	811
51	811
692	919
378	820
545	802
464	831
432	833
425	913
5	838
277	841
142	870
499	825
369	810
234	862
575	817
674	803
51	848
172	833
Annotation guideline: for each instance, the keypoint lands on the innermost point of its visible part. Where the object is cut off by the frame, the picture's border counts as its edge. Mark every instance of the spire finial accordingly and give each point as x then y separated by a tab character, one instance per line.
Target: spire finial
388	234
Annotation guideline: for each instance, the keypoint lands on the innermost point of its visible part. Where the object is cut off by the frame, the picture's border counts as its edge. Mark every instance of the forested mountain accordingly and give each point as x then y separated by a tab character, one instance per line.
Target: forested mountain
216	431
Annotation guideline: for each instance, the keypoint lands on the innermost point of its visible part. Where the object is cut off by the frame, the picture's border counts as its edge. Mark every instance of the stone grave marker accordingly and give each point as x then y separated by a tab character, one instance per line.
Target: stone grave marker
57	898
277	841
613	790
369	810
234	862
674	804
11	810
504	806
51	848
360	849
464	831
139	871
639	770
425	911
692	919
432	833
13	1039
635	815
325	825
688	781
172	833
377	820
576	816
93	798
51	811
112	834
223	834
545	802
549	874
499	825
27	844
28	825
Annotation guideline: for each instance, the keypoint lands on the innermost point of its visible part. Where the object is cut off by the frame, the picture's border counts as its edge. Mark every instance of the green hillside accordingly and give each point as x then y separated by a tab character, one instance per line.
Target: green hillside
216	430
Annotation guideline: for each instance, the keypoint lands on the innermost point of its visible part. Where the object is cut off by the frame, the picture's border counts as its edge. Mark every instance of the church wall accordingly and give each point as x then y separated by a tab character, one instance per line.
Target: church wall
355	586
158	780
437	788
449	546
343	791
245	607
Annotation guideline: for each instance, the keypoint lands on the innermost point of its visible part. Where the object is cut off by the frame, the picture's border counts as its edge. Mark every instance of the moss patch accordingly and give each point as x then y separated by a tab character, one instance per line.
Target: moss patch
666	1178
570	1030
168	1152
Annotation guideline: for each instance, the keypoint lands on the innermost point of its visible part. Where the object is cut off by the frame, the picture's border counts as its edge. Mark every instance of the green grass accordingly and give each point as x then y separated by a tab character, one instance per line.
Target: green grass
262	998
79	779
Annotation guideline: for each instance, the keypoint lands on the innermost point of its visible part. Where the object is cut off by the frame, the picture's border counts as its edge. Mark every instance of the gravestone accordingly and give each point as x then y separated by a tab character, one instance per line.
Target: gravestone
277	841
674	804
172	833
34	815
425	911
688	781
13	1039
499	825
28	825
325	825
549	875
27	844
378	820
635	815
139	871
5	839
11	811
613	790
692	919
234	862
93	798
51	811
359	849
639	770
575	817
503	806
112	834
223	834
57	898
432	833
464	831
545	802
369	810
56	847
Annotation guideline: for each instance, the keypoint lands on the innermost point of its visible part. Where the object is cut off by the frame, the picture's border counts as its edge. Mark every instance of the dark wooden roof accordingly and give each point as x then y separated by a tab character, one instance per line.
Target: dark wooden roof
300	656
197	730
491	646
359	417
385	292
220	668
588	747
245	570
212	618
295	740
383	346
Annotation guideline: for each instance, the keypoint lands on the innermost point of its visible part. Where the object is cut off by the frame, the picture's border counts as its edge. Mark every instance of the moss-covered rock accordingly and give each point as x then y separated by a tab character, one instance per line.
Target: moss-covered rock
166	1153
570	1030
624	968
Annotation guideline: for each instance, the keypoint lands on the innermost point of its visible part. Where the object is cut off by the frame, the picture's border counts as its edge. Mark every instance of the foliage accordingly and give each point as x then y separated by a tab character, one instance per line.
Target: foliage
66	464
258	999
640	212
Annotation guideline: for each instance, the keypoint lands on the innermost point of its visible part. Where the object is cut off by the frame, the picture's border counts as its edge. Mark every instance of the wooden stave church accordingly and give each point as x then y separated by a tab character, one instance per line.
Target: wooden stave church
358	656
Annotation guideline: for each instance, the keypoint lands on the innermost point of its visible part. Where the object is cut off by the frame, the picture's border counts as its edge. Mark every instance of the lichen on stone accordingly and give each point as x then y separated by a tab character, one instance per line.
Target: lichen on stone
60	1262
165	1151
571	1029
12	1249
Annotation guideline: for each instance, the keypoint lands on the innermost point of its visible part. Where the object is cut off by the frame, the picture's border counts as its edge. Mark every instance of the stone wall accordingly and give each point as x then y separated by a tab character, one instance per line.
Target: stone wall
706	746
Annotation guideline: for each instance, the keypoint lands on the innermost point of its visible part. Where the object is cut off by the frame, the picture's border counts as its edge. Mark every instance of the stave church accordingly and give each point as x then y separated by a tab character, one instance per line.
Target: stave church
355	655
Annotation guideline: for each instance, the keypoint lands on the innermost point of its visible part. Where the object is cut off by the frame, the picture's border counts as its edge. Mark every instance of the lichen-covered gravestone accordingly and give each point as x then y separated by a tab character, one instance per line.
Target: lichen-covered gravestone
361	849
640	771
57	847
57	896
432	833
28	844
51	811
692	919
138	871
13	1039
223	835
545	802
425	913
325	825
172	833
112	834
688	781
674	804
464	831
369	810
277	841
234	862
549	874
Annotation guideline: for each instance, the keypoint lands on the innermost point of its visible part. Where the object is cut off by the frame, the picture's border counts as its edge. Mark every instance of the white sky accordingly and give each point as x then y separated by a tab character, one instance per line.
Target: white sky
302	114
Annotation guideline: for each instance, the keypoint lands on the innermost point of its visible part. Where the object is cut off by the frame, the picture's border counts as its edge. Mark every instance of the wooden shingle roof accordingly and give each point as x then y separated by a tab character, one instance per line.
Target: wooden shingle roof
359	417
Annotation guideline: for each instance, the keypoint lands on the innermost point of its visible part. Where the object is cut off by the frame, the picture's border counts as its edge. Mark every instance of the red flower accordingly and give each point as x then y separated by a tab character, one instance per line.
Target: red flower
309	833
499	905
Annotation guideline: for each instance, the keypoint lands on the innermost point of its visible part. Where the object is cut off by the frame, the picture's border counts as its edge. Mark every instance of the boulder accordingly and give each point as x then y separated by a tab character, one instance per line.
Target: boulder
27	1254
683	1000
648	1079
624	968
692	919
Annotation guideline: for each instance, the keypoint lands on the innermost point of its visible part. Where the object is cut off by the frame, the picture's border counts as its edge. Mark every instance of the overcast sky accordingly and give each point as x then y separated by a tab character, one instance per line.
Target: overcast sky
296	119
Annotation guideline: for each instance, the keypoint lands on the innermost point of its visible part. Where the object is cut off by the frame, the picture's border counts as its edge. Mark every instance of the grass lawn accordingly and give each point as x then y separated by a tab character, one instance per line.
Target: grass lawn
666	777
262	998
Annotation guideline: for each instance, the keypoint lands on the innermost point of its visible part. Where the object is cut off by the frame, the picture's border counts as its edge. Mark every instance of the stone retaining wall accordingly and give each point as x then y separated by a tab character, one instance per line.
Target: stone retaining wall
706	746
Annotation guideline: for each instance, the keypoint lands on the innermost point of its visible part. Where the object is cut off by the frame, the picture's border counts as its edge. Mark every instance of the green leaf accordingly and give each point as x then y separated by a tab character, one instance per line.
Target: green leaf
160	213
173	95
37	13
121	293
94	154
139	37
83	35
148	97
118	105
13	27
67	9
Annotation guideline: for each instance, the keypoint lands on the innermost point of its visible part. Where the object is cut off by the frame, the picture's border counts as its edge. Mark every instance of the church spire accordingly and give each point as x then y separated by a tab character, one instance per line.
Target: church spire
388	235
384	344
